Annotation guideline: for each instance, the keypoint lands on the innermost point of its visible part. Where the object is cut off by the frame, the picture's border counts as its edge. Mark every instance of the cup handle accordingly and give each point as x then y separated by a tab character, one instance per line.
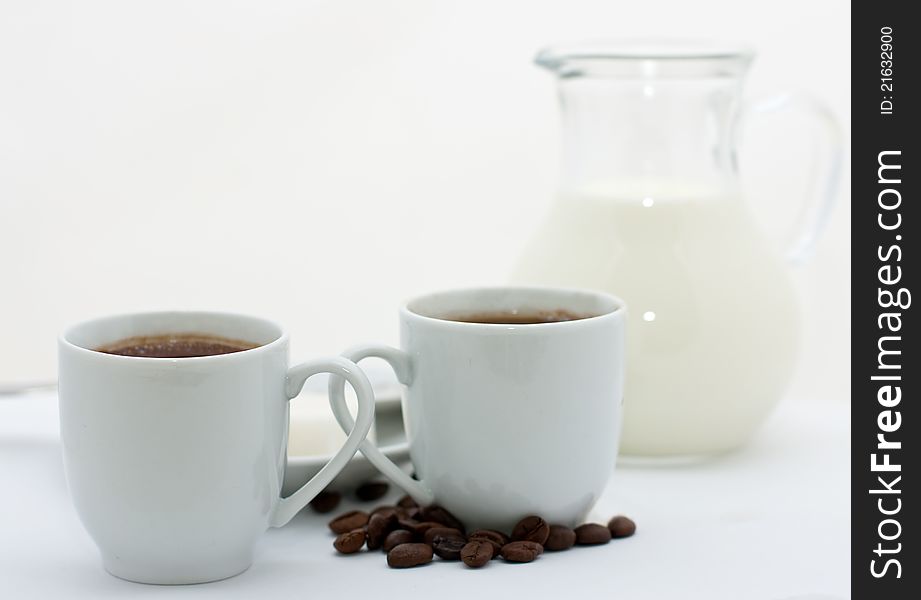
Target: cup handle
401	363
342	369
822	192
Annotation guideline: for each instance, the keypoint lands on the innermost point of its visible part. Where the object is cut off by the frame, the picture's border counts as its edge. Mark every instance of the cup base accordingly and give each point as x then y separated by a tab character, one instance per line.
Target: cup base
174	575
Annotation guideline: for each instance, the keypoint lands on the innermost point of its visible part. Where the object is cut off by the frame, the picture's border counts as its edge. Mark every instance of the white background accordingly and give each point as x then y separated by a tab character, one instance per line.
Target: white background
317	162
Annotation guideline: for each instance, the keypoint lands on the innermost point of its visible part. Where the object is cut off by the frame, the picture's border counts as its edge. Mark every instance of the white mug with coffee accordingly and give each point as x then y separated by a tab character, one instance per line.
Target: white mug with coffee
174	427
512	401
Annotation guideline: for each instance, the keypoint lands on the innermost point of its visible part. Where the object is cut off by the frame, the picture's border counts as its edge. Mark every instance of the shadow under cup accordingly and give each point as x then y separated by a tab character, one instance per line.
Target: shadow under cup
510	419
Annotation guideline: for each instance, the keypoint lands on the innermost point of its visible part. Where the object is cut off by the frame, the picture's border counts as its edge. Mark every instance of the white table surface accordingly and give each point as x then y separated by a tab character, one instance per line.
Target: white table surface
770	522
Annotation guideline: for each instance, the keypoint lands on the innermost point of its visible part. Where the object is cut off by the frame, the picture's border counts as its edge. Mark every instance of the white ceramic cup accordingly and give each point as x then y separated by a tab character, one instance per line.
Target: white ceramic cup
175	465
505	420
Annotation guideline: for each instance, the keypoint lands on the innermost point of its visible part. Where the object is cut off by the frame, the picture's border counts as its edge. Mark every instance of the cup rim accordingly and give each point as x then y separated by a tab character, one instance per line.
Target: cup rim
280	338
619	307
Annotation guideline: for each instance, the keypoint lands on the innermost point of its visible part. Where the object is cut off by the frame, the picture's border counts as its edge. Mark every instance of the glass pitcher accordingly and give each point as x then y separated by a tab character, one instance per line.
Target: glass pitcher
649	208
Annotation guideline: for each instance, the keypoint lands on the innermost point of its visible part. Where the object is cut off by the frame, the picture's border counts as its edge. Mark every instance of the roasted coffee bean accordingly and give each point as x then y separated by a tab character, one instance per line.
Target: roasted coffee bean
531	529
350	542
385	510
409	555
407	513
445	532
326	502
592	533
440	515
448	547
378	527
397	537
407	502
560	538
621	526
496	538
371	490
349	521
521	551
407	523
477	553
421	528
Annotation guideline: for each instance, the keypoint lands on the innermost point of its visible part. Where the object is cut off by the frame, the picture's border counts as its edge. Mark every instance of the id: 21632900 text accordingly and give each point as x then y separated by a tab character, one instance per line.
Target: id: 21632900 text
885	70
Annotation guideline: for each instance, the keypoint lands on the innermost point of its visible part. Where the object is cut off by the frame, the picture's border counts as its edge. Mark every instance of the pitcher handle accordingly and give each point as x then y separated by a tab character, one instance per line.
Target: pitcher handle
822	191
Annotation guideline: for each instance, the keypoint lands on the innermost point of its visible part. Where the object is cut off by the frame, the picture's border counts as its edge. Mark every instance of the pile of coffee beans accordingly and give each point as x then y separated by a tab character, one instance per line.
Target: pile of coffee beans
411	535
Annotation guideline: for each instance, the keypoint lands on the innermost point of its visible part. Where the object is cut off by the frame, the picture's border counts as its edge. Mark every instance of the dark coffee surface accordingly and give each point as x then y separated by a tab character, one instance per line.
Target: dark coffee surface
513	317
182	345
